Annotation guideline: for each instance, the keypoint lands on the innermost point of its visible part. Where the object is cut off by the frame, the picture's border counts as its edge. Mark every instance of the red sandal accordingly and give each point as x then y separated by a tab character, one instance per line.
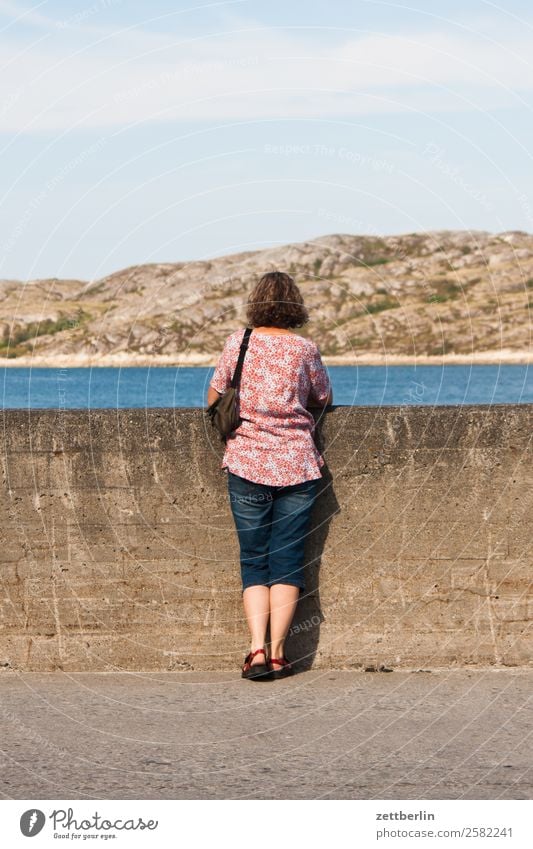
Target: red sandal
256	671
286	668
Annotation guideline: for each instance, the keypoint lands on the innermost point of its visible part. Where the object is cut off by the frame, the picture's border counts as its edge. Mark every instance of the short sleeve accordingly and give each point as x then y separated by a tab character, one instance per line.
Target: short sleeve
319	379
224	369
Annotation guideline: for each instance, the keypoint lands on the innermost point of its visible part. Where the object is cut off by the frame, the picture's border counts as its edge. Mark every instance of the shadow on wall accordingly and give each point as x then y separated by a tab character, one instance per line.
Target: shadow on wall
304	634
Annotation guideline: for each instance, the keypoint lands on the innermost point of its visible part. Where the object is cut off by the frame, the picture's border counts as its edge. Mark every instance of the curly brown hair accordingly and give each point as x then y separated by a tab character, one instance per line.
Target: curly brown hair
276	301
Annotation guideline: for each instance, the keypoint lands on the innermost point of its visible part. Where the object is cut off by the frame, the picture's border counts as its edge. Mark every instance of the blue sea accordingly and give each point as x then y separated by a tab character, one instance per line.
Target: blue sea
99	388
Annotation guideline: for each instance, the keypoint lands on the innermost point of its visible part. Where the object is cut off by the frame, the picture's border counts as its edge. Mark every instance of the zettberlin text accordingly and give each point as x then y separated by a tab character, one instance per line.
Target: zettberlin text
401	815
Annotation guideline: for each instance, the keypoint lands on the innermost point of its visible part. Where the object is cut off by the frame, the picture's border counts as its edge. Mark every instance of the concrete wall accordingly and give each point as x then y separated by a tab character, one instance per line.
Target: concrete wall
118	549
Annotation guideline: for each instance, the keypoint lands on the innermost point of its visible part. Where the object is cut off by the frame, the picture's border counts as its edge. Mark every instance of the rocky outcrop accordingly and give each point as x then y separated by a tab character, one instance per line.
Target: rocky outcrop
418	294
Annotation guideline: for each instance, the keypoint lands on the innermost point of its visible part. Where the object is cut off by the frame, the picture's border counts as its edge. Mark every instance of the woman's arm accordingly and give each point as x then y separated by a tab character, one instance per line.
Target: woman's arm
212	395
320	390
223	371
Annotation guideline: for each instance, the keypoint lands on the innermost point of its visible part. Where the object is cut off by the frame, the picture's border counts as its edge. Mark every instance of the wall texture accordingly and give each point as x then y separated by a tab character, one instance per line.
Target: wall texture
118	551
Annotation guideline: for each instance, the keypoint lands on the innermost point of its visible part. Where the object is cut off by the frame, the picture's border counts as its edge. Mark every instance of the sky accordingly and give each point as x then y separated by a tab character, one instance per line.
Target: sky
135	132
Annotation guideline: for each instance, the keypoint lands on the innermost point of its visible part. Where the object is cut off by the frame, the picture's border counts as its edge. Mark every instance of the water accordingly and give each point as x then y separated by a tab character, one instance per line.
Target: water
75	388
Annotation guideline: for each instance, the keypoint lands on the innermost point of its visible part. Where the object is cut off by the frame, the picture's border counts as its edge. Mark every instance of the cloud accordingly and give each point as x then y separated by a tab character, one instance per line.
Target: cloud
18	14
125	77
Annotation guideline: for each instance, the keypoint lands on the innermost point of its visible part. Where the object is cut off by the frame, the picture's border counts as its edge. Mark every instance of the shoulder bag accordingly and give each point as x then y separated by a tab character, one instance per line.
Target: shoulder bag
223	412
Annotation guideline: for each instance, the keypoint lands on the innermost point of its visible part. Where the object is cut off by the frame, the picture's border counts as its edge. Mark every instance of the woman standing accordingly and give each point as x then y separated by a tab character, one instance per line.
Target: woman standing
272	463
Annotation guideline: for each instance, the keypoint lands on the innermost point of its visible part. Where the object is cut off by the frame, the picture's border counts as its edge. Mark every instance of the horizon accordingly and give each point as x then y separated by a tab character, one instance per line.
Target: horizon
259	249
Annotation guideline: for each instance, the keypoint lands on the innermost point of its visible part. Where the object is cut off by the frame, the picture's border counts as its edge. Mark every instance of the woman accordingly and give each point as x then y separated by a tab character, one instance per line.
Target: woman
272	463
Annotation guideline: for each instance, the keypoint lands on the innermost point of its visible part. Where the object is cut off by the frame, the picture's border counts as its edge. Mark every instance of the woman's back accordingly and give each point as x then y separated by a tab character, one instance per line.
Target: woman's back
281	373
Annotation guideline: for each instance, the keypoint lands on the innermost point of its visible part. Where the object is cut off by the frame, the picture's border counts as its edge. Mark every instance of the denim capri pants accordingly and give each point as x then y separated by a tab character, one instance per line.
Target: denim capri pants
272	523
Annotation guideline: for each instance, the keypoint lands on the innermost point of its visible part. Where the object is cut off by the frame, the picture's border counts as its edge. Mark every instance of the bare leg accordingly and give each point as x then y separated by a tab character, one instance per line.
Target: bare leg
256	602
283	600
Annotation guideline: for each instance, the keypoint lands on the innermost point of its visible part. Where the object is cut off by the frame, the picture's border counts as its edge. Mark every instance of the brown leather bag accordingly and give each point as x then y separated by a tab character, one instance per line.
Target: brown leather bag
224	412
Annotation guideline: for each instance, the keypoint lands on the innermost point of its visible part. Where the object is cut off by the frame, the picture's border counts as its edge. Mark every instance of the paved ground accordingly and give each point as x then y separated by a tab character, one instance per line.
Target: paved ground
400	735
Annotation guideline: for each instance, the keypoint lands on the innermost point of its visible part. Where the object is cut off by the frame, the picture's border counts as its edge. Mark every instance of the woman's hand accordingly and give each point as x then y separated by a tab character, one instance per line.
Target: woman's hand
312	403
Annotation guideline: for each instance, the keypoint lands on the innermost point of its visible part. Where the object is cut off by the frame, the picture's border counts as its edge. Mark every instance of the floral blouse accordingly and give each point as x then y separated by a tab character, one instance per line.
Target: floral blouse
274	444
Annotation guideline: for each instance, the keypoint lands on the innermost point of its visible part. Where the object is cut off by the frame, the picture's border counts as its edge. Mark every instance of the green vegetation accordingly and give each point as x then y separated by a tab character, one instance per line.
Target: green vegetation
375	246
380	260
529	283
373	252
175	326
48	326
380	306
316	266
368	263
221	289
445	347
359	341
354	312
443	290
331	347
12	353
98	289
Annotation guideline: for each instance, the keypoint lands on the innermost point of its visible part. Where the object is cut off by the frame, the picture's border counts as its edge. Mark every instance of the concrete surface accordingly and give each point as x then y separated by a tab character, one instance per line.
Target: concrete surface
347	735
118	550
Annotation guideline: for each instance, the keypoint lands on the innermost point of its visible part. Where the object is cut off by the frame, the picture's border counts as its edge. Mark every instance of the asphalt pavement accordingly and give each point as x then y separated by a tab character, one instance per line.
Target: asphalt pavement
444	734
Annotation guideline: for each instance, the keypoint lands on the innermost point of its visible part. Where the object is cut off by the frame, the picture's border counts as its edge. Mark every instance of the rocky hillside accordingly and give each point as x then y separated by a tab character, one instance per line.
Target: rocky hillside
414	295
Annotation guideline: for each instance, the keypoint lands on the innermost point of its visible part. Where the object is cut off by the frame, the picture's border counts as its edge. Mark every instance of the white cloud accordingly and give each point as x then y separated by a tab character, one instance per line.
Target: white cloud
19	14
132	76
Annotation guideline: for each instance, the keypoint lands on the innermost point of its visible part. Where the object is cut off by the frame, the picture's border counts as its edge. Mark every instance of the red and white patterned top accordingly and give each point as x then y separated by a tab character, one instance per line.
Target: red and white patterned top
274	444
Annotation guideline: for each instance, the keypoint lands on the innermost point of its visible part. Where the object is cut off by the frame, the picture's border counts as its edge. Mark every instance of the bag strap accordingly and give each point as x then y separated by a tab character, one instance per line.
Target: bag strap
236	379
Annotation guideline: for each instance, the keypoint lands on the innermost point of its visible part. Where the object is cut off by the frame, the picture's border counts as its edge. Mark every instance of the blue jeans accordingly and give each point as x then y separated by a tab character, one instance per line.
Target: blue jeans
271	523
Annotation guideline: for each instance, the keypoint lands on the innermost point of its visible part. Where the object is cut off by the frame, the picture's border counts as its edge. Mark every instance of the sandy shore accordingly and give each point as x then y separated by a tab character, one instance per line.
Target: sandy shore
503	357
